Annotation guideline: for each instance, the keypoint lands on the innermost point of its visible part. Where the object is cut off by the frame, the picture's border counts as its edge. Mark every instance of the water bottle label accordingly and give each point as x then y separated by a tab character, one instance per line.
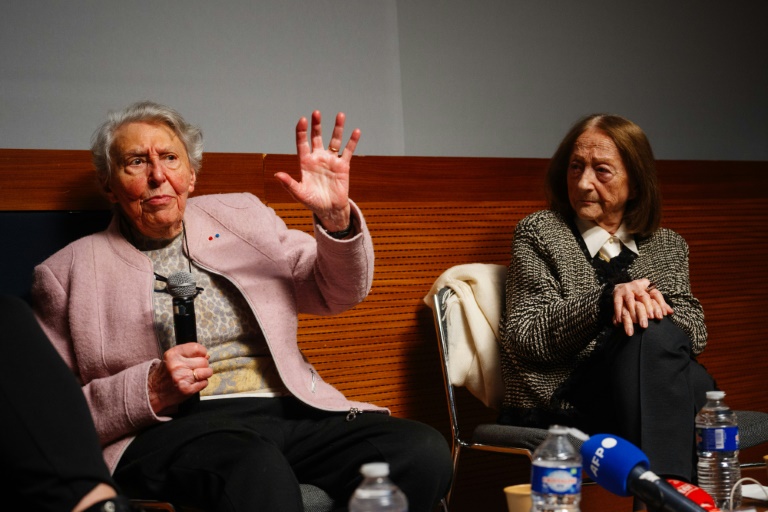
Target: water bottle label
546	480
712	439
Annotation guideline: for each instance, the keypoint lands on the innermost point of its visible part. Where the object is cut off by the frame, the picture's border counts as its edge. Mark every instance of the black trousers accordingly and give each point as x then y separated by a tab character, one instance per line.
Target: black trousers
49	448
646	388
249	454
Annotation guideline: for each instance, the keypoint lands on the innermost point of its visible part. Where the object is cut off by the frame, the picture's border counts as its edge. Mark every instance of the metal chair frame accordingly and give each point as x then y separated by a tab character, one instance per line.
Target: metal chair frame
514	444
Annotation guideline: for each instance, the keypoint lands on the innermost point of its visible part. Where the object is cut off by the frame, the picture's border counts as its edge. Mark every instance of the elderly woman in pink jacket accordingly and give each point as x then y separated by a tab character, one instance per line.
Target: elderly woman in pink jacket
265	420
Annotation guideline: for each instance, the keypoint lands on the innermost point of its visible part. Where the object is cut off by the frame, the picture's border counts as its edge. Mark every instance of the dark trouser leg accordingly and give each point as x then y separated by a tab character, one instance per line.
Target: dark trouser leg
214	458
250	454
49	446
658	389
331	450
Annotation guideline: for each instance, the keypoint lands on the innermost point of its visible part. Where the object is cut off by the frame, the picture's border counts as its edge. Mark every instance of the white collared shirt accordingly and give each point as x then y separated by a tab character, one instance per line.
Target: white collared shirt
595	236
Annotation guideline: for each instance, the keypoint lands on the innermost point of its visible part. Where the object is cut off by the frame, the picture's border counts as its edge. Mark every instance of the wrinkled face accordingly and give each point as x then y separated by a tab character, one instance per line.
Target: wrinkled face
598	183
151	179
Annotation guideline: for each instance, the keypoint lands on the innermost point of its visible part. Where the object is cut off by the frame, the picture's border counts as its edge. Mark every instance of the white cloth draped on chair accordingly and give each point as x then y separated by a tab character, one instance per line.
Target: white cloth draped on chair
472	315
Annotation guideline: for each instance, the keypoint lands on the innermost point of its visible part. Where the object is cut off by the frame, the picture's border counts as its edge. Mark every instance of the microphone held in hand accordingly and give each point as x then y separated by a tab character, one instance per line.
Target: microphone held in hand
181	286
622	468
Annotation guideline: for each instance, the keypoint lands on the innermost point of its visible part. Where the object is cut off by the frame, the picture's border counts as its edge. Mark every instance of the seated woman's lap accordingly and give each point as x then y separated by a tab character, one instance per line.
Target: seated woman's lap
647	389
279	442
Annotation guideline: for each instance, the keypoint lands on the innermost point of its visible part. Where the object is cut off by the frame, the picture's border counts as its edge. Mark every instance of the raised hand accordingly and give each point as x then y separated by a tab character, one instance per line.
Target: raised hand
324	185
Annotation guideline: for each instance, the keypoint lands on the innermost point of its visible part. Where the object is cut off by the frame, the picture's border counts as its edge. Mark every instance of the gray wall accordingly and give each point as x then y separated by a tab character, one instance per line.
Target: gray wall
451	78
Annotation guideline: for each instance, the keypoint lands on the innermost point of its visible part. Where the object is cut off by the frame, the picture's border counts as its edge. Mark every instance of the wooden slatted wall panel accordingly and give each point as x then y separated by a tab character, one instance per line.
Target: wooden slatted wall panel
427	214
52	179
384	350
729	276
47	179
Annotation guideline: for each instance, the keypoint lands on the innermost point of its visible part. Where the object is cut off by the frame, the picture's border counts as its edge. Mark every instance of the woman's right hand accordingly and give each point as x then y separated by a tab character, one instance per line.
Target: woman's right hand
183	372
636	302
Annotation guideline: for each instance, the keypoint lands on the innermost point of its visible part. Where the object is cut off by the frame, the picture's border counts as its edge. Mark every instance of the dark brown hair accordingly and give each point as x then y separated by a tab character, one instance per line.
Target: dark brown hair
642	215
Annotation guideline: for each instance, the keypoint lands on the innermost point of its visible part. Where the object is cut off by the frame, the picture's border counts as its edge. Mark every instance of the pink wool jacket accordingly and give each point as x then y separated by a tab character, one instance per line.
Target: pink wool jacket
94	300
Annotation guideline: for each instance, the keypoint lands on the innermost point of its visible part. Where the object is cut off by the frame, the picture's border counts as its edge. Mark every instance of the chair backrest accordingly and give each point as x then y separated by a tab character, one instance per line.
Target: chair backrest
440	310
466	303
34	236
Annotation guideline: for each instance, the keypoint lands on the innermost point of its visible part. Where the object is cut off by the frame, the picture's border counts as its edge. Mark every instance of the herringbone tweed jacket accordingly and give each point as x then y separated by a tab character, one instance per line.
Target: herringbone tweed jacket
558	305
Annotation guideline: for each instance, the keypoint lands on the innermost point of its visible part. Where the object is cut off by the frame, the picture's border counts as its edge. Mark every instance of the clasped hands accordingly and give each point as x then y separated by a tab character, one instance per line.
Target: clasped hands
636	302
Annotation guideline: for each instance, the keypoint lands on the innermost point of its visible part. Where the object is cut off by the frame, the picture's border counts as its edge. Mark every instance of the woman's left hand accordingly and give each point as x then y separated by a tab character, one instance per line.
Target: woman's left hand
636	302
324	185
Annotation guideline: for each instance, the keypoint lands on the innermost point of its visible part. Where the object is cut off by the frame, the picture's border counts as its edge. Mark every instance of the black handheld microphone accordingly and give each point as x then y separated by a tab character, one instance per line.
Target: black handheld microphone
182	287
622	468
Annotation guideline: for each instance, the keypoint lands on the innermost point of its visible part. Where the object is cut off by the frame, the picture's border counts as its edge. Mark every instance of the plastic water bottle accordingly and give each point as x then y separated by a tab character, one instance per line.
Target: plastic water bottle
377	493
717	444
556	474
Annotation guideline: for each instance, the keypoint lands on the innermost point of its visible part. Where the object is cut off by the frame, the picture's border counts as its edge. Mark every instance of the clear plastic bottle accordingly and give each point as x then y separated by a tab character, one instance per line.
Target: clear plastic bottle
556	474
717	444
377	493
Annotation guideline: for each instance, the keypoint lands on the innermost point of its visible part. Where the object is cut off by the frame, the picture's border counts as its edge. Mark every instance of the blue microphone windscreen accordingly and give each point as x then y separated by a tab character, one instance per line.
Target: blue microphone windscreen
609	459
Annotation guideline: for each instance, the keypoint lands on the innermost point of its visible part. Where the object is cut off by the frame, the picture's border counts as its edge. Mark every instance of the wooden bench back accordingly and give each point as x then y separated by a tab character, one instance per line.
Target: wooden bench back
427	214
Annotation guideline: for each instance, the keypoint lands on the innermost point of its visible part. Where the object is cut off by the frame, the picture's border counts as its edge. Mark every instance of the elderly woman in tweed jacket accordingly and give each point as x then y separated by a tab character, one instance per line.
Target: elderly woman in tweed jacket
604	340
